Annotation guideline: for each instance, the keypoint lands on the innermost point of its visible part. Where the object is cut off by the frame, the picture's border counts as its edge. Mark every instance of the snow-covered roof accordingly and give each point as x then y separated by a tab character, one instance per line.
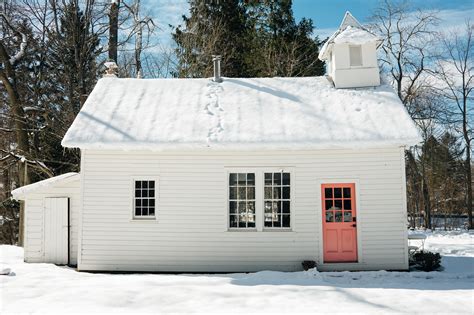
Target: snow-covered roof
21	192
354	35
350	31
251	113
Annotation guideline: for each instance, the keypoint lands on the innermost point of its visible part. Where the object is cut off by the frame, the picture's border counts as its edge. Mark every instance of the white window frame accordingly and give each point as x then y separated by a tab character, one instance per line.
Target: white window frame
273	228
359	47
238	200
259	198
132	198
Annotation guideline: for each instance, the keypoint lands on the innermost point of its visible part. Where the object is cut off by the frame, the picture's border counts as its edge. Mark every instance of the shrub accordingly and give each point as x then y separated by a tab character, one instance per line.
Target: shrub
426	261
308	264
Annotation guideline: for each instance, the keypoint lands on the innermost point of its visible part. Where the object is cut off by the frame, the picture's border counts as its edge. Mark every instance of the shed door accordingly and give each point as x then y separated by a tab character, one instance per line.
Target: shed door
56	230
339	222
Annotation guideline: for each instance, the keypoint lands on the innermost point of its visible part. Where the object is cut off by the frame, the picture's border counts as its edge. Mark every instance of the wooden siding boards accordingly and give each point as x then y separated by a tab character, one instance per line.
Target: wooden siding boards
34	207
190	233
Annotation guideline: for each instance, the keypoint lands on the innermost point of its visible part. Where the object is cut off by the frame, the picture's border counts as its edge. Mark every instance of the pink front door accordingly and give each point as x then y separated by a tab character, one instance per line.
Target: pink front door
339	222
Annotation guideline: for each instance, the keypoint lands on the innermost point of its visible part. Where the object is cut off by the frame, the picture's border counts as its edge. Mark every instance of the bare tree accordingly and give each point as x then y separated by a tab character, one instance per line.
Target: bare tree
408	50
9	61
33	101
455	70
161	63
139	26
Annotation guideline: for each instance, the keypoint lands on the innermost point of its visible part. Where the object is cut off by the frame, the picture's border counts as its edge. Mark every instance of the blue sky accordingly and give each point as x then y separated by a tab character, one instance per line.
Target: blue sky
326	15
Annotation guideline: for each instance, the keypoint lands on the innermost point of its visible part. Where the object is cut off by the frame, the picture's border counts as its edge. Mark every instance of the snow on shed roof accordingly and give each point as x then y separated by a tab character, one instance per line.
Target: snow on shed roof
263	113
21	192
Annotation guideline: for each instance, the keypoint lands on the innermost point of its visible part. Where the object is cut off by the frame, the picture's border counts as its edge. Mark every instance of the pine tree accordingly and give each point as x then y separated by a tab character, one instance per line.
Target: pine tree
72	60
213	28
255	39
285	47
441	187
74	51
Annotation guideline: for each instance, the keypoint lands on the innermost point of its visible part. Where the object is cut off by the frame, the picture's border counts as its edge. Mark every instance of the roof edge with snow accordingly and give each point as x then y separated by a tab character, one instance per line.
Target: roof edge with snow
20	193
277	146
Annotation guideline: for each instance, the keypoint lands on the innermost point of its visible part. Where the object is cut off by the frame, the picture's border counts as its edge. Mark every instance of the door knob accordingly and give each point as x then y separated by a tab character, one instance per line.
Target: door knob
354	225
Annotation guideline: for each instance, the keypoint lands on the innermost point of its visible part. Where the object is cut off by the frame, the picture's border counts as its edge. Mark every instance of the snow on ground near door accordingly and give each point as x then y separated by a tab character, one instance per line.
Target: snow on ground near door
45	288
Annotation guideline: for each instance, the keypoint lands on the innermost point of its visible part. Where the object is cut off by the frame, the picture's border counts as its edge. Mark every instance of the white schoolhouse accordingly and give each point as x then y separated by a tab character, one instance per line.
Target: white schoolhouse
232	174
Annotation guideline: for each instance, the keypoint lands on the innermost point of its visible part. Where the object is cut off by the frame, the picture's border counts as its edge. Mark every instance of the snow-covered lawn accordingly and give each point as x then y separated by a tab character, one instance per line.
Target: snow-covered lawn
45	288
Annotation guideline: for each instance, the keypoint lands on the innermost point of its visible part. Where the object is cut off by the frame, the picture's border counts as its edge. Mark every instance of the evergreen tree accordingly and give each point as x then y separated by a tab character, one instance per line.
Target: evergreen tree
255	39
441	187
284	48
74	51
72	61
213	28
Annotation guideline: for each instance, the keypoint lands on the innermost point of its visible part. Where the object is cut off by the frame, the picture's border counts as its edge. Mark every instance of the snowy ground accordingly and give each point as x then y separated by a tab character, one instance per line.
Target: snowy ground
45	288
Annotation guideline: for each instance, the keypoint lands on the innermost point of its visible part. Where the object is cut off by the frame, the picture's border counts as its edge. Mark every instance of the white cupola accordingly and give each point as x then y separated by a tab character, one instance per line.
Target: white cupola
351	55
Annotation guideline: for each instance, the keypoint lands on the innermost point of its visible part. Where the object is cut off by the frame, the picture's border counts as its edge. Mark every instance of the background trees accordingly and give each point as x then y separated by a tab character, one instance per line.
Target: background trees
432	74
51	55
455	70
254	38
213	28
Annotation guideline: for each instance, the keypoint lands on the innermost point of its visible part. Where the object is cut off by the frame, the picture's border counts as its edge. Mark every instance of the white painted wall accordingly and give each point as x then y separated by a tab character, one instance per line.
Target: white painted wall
34	217
190	233
345	76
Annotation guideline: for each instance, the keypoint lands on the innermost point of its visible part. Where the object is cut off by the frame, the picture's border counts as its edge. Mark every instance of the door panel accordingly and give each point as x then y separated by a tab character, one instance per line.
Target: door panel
56	230
347	237
339	222
331	244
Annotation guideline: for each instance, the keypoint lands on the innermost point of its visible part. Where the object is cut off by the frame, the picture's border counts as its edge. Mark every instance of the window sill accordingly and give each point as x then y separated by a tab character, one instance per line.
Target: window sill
144	220
242	230
284	230
277	230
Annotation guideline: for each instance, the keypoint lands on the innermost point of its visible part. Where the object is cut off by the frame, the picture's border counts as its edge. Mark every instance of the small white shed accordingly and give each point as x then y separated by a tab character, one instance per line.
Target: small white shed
51	219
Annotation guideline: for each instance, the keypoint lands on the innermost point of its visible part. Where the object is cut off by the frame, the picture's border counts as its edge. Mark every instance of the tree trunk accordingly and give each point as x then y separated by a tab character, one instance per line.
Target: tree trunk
427	204
469	186
113	30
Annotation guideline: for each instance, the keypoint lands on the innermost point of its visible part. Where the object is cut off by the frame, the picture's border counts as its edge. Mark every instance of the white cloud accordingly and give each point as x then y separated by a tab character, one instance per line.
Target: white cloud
454	19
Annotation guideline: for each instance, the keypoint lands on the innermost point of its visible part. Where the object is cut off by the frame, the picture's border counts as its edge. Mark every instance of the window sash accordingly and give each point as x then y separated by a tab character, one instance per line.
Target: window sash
242	200
144	198
355	55
277	200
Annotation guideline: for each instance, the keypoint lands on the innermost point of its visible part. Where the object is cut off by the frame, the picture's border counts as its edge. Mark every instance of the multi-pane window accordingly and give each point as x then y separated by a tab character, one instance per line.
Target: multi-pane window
355	55
338	204
242	200
144	200
277	200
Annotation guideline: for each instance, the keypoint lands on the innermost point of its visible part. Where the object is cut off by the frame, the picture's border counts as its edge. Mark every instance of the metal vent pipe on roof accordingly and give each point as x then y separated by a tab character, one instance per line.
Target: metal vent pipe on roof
217	68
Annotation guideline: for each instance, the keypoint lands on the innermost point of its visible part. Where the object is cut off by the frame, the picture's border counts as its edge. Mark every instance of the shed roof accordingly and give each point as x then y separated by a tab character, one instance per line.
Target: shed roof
21	192
251	113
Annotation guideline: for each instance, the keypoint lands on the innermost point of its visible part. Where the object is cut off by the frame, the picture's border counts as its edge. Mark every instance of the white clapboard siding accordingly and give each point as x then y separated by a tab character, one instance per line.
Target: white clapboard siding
190	233
34	214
